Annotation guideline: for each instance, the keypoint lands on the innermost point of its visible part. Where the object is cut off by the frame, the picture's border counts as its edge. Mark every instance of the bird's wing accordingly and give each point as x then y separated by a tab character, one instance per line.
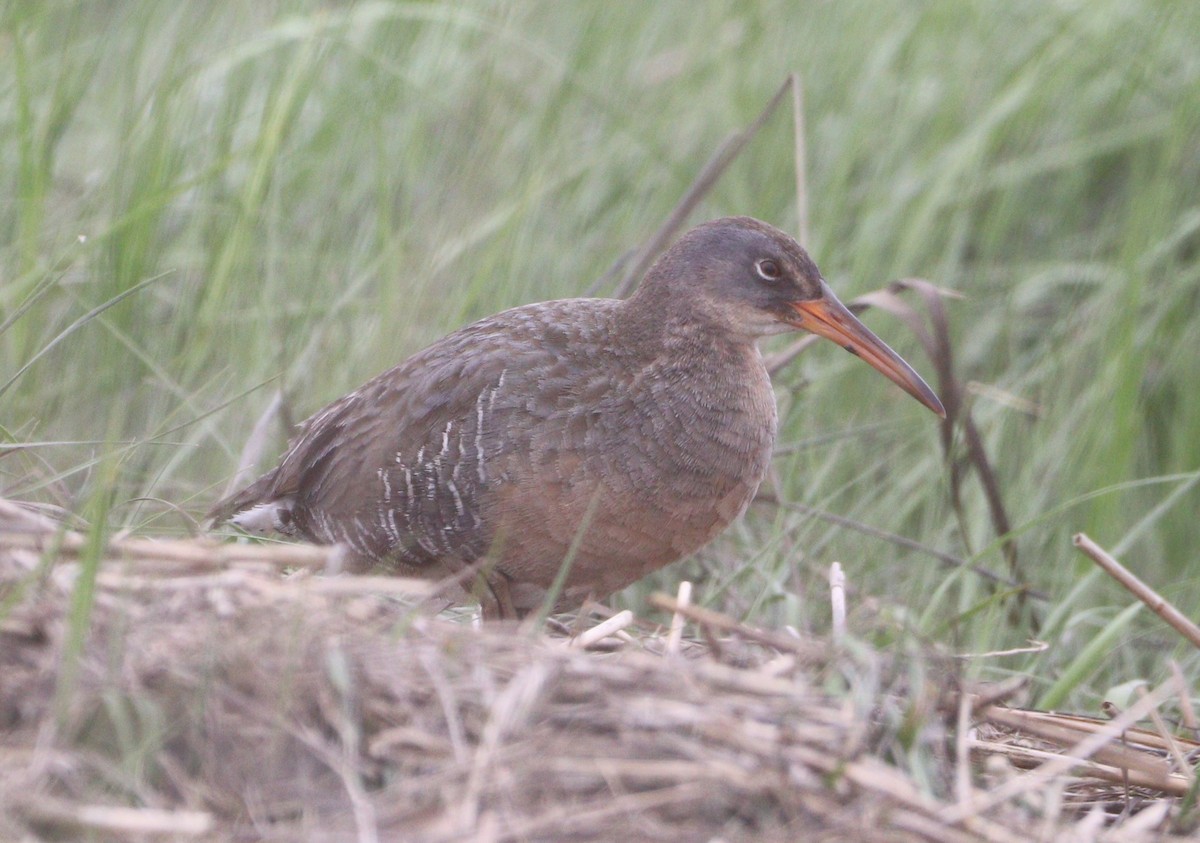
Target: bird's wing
402	464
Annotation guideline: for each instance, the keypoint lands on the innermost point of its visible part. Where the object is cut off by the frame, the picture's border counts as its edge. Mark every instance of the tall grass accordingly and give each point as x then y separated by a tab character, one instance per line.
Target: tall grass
300	194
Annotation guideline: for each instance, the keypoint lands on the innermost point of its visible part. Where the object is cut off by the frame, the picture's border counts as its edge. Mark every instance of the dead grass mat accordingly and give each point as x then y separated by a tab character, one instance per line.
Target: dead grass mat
211	698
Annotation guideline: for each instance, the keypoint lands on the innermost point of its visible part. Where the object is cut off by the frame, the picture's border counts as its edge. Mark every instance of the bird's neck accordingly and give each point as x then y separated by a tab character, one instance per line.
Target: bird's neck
660	324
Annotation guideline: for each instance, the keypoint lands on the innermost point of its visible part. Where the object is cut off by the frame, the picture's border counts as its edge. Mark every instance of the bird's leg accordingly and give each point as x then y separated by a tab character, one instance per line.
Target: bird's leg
479	581
501	597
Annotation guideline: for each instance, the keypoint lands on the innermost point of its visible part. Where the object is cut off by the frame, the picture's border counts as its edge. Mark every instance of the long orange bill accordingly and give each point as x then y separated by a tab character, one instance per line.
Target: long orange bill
827	317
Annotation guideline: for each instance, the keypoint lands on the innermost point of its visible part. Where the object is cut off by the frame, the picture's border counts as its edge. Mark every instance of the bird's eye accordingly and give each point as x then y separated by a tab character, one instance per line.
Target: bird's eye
768	270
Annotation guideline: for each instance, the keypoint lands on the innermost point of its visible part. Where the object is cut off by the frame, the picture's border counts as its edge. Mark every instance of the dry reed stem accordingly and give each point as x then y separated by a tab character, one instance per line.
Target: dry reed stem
1031	758
709	174
1034	647
1065	731
683	597
200	553
1130	581
602	630
837	598
962	751
1080	751
800	156
120	819
715	621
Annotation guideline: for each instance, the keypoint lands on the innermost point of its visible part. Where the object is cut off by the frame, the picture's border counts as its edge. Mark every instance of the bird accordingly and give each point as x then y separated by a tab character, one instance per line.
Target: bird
559	451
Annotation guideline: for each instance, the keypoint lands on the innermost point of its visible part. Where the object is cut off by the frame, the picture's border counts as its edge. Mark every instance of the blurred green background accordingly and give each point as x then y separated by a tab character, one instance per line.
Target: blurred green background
297	195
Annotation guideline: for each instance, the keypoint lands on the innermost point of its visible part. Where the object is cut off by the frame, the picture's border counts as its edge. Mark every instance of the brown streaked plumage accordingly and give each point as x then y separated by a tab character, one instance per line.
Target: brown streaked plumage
638	428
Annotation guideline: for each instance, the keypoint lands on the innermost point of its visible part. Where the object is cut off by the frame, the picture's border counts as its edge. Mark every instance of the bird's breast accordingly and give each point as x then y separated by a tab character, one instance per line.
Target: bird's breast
714	441
652	468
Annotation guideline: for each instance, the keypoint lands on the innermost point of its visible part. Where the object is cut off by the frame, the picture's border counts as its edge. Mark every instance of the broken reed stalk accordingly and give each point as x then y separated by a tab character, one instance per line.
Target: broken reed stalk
962	751
603	629
206	554
1031	758
684	598
1039	777
1130	581
120	819
1135	756
710	621
837	598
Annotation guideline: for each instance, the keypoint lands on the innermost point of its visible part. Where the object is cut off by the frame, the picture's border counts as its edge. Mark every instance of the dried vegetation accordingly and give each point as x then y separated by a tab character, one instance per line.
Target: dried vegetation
201	694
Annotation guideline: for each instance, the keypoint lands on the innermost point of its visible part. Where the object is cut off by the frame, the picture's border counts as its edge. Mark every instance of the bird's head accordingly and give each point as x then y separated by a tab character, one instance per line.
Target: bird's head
754	280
